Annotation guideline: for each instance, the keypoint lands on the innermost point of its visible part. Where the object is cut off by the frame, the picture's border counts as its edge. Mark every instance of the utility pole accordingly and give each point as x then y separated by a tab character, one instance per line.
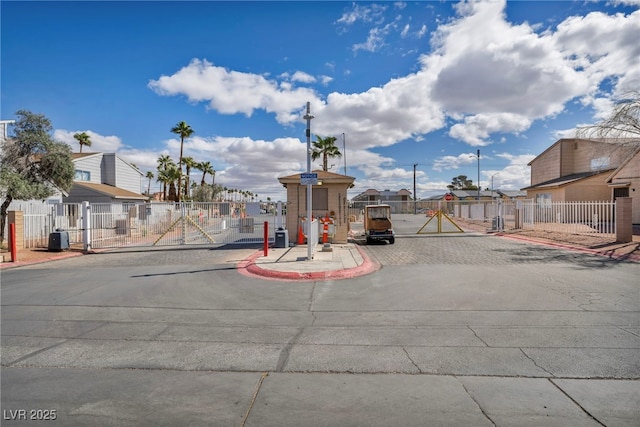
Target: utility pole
478	174
415	198
308	118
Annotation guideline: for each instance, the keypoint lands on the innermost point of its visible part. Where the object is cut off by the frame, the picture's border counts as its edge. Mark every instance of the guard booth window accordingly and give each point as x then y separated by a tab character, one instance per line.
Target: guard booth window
320	198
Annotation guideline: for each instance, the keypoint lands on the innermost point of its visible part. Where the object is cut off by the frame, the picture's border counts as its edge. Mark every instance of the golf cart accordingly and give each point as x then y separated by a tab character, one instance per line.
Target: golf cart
377	223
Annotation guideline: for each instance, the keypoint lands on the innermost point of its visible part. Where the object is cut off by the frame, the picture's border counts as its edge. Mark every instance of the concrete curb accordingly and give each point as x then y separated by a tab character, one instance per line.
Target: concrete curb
607	254
248	267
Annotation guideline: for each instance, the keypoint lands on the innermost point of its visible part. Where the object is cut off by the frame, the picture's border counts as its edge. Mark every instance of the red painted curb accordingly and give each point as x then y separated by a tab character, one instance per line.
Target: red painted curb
625	257
248	267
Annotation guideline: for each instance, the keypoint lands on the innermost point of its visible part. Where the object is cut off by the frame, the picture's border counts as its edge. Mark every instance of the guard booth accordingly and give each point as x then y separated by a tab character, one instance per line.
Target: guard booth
329	200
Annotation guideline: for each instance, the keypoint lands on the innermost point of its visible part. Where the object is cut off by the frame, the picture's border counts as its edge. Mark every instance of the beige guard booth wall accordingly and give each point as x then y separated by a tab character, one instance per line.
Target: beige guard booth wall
335	186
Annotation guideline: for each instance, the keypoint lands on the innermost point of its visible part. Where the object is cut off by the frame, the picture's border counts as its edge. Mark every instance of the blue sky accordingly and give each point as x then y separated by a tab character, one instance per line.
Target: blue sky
426	83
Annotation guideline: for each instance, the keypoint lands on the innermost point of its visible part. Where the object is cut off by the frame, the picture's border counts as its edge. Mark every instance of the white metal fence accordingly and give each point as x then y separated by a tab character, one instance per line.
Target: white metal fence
149	224
566	217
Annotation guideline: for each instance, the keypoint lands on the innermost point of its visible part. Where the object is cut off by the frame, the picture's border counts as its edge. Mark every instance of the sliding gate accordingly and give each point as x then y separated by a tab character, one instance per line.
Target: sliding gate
186	223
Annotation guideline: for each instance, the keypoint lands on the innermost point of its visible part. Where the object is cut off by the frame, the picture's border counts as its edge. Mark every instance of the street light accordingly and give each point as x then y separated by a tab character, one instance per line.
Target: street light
492	183
478	174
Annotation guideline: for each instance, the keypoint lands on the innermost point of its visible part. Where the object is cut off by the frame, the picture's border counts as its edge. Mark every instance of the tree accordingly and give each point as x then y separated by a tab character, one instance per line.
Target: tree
188	163
623	123
32	164
149	177
164	163
185	131
83	139
173	176
206	168
461	182
325	148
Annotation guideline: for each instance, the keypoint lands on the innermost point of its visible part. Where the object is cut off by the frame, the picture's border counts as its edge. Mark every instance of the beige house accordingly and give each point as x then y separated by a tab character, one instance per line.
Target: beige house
587	170
329	198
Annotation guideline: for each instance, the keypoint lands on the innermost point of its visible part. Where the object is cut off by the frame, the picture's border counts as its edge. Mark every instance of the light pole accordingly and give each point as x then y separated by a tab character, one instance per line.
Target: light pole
308	118
344	152
492	184
478	174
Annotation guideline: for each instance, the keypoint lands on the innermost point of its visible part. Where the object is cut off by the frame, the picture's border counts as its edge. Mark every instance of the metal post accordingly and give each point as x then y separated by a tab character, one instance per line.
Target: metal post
308	118
478	174
12	242
415	199
266	238
86	225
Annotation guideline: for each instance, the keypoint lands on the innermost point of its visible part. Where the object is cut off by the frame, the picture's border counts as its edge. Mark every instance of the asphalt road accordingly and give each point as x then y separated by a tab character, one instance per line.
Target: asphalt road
452	330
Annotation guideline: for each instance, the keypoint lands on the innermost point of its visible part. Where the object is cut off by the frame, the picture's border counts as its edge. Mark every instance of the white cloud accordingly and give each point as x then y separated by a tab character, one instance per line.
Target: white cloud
301	76
454	162
99	143
232	92
476	129
514	176
405	31
367	13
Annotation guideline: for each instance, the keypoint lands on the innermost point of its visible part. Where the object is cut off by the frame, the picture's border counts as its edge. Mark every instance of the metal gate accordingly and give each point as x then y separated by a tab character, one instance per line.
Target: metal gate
185	223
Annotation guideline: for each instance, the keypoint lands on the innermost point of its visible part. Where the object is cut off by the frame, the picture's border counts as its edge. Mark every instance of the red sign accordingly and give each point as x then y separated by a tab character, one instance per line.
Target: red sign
448	197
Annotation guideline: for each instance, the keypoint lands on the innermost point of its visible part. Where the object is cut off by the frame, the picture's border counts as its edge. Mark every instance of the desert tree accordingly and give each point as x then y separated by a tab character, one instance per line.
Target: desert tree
32	164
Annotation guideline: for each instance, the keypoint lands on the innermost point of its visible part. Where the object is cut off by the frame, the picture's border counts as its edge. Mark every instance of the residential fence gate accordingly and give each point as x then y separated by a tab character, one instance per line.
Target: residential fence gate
184	223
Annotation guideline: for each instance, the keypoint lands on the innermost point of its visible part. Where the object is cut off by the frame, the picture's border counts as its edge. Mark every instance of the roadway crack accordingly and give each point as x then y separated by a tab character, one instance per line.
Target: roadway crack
475	401
535	363
286	350
411	360
575	402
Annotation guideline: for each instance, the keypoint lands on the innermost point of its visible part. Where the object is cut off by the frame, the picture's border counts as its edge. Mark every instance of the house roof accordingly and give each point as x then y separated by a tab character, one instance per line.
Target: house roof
627	160
567	179
108	190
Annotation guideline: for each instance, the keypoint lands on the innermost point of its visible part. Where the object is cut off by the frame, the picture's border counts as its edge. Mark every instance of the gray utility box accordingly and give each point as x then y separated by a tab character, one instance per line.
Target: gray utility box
282	239
497	223
58	240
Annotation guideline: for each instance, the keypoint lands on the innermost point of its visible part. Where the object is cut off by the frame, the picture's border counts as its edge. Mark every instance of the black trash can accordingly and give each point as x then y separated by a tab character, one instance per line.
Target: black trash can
282	238
58	240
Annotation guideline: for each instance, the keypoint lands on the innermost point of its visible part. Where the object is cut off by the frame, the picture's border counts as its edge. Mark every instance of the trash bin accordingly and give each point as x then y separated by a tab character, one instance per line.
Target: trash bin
58	240
282	238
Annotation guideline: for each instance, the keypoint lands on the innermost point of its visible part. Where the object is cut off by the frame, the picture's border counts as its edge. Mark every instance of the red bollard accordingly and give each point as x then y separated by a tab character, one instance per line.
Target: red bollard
266	238
12	243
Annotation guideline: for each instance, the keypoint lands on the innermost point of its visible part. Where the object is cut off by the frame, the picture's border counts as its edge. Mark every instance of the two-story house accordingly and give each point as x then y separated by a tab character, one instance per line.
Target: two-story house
104	178
587	170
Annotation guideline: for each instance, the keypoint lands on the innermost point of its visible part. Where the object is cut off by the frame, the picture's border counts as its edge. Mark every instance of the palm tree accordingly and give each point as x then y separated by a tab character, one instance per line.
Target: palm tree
149	176
83	139
188	163
172	175
206	168
185	131
325	148
164	163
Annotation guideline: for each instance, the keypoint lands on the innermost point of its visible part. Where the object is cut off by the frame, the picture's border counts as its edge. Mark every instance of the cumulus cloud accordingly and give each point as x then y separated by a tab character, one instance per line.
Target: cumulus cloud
484	76
232	92
514	176
454	162
99	143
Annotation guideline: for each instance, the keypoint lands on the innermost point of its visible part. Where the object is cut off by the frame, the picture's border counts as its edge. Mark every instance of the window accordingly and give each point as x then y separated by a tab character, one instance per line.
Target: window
82	175
320	198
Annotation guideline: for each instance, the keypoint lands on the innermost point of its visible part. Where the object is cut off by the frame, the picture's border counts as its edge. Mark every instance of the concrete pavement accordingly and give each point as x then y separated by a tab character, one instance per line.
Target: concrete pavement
458	330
